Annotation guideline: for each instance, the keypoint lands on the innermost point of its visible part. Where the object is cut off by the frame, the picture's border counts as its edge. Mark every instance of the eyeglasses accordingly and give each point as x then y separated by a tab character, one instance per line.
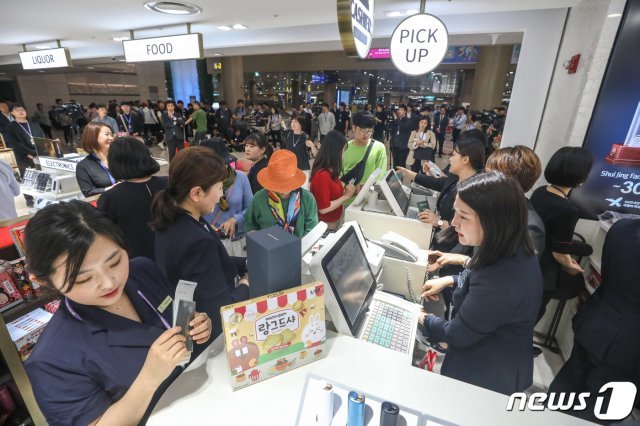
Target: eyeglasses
365	131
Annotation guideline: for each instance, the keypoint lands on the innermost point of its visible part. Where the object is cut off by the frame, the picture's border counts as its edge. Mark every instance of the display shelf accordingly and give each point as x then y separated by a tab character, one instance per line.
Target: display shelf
25	307
50	196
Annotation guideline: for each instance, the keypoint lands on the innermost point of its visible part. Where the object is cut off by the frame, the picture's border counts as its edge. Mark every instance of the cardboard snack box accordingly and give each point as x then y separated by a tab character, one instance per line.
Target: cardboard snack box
270	335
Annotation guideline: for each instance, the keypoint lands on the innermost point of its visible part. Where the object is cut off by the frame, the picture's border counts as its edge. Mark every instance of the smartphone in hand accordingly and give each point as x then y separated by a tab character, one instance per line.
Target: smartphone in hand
435	170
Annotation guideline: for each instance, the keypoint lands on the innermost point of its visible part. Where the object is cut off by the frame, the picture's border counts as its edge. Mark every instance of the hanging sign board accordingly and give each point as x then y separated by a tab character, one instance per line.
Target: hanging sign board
419	44
42	59
355	21
171	48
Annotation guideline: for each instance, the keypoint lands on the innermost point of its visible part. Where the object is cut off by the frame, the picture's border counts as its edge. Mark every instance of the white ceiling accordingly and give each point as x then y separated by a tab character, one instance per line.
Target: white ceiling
275	26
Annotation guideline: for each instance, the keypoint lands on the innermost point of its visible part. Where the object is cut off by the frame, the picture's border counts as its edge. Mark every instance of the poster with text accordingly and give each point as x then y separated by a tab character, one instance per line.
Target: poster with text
613	136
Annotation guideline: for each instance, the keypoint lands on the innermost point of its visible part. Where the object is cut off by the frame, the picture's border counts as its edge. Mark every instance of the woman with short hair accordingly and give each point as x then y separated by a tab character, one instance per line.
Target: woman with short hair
92	173
128	204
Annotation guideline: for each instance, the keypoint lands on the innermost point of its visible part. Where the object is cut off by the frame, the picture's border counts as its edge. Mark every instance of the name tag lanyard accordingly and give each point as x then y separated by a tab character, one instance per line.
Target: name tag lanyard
27	131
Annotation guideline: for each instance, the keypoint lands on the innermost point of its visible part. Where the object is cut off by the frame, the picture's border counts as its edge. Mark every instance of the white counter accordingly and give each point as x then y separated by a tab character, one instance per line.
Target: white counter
203	395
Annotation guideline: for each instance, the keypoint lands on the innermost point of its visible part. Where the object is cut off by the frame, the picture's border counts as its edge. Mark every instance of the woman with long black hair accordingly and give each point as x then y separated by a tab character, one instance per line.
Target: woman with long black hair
109	351
326	185
498	294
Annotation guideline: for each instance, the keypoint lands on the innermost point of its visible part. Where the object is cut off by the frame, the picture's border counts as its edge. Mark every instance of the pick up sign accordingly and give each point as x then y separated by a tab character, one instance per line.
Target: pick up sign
419	44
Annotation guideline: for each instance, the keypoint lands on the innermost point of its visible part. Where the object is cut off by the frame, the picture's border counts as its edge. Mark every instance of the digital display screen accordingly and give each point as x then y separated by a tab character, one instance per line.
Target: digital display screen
398	193
348	270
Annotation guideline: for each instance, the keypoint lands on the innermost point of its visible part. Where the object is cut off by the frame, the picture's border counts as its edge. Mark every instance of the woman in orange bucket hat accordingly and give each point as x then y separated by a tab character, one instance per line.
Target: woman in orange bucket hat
283	201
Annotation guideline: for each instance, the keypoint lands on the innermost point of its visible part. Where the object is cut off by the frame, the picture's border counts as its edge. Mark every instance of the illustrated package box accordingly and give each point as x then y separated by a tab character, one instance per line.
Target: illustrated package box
25	330
270	335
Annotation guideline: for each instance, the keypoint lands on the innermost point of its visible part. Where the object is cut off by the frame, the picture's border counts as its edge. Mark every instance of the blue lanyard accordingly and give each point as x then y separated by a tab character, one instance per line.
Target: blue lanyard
128	122
74	314
113	181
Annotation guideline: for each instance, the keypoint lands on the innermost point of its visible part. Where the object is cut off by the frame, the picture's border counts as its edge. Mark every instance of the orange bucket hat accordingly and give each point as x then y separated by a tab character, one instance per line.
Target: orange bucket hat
282	173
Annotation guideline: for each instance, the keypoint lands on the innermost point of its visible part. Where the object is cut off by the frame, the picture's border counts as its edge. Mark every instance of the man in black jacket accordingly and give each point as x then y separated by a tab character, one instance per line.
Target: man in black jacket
402	127
129	122
440	124
606	347
19	135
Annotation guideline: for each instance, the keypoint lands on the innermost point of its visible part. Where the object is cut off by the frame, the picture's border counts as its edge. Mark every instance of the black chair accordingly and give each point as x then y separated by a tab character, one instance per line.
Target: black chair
568	287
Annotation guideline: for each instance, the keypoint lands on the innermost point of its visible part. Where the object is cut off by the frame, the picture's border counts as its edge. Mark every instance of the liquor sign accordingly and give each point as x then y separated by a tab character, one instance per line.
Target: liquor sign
171	48
355	21
43	59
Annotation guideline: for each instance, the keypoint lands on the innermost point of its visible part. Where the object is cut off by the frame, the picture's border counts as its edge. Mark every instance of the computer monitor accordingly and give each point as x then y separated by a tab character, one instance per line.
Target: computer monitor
393	191
364	191
343	267
48	147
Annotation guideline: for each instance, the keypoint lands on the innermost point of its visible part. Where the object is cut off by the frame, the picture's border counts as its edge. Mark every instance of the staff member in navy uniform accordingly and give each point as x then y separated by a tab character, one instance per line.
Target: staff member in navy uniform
497	296
605	345
109	352
187	248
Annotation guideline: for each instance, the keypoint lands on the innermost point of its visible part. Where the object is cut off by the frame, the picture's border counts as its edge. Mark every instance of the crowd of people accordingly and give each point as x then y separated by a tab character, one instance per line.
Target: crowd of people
500	255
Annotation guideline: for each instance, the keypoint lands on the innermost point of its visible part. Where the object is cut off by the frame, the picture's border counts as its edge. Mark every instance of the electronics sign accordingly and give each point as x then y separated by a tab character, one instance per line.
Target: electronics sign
613	136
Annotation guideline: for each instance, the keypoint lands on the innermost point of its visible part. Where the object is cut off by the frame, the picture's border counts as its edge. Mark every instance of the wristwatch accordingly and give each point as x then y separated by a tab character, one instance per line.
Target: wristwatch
440	223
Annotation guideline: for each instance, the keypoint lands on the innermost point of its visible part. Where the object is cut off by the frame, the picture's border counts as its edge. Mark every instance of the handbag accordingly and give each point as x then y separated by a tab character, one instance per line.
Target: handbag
357	172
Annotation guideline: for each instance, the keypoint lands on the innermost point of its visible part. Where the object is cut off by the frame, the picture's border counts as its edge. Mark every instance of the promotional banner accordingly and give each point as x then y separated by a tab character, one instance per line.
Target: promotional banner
613	136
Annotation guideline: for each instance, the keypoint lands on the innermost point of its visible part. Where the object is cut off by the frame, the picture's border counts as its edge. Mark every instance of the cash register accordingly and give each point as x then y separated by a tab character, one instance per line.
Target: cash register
356	307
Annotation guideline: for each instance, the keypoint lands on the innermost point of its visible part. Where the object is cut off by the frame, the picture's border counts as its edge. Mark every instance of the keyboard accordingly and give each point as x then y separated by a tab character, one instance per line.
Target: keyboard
412	214
389	326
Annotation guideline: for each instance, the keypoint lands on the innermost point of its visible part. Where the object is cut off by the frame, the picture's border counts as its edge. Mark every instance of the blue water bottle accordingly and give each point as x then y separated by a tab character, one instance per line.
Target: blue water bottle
355	415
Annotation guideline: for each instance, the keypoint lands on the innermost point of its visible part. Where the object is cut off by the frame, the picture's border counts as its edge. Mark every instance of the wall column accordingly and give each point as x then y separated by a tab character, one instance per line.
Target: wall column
232	79
489	78
330	93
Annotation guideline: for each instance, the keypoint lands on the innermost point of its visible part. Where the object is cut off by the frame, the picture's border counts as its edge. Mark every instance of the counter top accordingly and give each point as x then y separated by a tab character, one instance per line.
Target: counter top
203	394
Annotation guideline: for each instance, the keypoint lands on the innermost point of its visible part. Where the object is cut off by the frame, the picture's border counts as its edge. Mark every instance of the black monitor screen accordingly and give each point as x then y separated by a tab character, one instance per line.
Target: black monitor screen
398	193
350	277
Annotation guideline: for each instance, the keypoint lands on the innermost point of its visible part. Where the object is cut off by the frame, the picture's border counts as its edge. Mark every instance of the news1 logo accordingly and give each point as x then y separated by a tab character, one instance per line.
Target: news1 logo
621	398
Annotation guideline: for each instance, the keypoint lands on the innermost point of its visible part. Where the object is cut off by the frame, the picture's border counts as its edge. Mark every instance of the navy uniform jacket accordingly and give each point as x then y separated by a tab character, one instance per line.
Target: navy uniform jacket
441	123
87	358
490	336
608	325
190	250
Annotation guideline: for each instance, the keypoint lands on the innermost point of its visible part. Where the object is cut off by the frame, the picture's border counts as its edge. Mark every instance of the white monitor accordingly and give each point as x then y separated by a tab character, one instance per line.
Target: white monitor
364	191
343	267
391	187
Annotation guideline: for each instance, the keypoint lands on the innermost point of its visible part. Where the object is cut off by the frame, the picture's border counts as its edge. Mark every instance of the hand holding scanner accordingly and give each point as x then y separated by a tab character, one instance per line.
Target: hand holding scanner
399	247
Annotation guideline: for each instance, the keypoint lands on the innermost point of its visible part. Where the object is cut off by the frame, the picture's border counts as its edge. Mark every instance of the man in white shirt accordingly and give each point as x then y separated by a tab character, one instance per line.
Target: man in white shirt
459	120
326	121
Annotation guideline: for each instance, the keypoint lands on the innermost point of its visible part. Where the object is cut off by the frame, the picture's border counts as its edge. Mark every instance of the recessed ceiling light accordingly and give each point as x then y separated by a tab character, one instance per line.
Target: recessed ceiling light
173	8
224	28
90	68
217	54
239	27
122	60
120	38
42	46
614	15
